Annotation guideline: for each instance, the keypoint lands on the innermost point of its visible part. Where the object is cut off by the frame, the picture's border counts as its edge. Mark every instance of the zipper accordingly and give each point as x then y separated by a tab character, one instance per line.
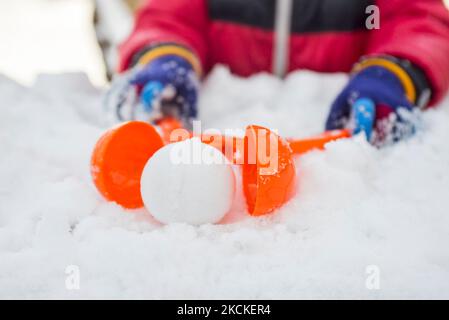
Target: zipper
282	27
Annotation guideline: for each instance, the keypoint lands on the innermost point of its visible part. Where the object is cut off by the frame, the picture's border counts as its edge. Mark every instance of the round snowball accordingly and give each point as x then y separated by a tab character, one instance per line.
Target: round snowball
188	182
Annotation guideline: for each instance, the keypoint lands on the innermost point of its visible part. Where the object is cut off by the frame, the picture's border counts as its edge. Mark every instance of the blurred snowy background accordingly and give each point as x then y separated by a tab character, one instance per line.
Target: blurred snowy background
53	36
56	36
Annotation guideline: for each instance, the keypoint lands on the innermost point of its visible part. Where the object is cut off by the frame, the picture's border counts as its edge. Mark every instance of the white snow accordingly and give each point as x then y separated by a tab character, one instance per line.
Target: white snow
358	209
188	182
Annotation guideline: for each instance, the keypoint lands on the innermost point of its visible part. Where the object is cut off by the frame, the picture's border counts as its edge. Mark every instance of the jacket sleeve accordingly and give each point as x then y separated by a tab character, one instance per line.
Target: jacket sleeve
418	31
184	22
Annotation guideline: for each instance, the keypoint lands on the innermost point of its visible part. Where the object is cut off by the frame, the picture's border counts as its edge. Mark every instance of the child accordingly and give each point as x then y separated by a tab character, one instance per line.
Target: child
402	64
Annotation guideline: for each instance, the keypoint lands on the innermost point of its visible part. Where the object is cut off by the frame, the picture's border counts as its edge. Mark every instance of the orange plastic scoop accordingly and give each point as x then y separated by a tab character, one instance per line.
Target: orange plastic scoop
119	158
121	153
269	190
269	182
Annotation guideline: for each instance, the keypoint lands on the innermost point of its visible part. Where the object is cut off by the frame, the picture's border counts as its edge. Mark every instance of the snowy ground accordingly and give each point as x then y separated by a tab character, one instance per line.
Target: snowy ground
356	206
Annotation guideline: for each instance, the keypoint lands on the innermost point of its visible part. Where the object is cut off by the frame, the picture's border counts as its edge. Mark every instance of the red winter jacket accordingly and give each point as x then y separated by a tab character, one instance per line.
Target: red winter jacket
326	35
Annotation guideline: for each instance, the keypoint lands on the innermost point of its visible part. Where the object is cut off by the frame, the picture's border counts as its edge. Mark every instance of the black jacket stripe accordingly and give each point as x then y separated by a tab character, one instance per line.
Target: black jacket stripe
308	15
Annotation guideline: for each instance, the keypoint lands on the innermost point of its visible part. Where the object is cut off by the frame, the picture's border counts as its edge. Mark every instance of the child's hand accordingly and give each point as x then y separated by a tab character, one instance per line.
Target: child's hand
165	85
393	94
169	87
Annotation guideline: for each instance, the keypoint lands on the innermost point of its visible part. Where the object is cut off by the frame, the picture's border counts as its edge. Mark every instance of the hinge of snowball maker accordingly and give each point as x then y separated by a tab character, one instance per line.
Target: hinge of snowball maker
282	27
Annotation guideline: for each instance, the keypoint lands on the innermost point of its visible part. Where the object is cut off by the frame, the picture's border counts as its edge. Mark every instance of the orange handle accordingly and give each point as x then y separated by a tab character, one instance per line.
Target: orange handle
298	146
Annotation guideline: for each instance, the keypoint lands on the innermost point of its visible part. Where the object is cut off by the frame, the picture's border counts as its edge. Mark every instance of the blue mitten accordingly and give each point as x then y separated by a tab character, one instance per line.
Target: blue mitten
394	93
169	87
165	82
